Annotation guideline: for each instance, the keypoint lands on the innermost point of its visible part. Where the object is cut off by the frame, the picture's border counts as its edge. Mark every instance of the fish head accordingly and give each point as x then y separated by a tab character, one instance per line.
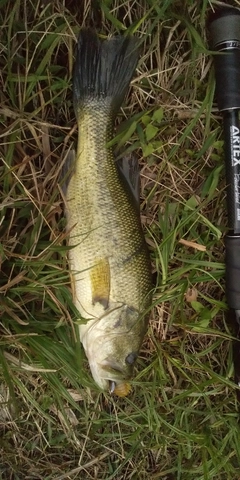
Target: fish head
112	346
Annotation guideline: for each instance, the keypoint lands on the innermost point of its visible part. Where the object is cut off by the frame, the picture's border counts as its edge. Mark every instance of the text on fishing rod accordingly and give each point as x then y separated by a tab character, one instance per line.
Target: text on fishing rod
235	145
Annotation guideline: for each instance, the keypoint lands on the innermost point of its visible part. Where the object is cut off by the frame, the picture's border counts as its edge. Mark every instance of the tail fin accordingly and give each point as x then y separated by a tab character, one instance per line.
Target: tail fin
103	69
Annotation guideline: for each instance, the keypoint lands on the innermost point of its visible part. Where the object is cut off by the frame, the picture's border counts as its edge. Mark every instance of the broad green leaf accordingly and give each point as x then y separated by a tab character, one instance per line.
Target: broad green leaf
158	115
148	149
151	131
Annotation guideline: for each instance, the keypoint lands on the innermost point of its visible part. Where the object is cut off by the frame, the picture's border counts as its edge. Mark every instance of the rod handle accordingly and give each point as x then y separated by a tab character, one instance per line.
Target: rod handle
224	30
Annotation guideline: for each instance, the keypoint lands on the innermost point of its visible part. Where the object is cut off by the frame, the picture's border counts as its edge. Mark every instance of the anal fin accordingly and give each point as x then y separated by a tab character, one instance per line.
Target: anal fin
67	170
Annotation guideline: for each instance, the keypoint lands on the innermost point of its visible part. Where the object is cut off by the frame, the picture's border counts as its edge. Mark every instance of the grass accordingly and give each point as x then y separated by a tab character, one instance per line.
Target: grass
180	421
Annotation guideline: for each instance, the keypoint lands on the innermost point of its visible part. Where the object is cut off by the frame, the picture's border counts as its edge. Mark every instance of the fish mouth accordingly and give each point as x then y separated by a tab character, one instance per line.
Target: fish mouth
119	389
112	386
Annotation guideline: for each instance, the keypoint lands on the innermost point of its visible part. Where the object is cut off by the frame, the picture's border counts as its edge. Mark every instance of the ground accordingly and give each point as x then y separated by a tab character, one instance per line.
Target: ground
180	421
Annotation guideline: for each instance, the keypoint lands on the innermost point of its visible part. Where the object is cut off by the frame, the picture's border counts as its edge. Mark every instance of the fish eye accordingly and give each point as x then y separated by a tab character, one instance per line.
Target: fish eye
130	358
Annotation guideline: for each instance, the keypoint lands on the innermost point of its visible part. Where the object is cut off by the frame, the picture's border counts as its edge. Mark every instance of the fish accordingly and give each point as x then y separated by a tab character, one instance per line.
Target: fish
108	257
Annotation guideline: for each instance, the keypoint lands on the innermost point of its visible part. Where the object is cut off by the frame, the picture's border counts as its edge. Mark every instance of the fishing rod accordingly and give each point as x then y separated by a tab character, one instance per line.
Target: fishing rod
224	29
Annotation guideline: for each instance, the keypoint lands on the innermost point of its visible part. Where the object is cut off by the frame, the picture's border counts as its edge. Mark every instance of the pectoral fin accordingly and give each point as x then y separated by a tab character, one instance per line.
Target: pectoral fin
100	282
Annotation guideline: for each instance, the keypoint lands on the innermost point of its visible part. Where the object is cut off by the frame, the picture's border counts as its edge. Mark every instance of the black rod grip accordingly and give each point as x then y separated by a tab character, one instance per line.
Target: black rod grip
232	259
224	29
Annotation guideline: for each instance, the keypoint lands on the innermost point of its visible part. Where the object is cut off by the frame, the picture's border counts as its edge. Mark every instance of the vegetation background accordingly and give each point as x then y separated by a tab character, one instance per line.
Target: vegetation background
181	420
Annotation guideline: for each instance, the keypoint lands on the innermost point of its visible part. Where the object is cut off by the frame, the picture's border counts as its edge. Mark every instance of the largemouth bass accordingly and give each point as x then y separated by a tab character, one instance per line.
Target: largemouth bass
109	261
